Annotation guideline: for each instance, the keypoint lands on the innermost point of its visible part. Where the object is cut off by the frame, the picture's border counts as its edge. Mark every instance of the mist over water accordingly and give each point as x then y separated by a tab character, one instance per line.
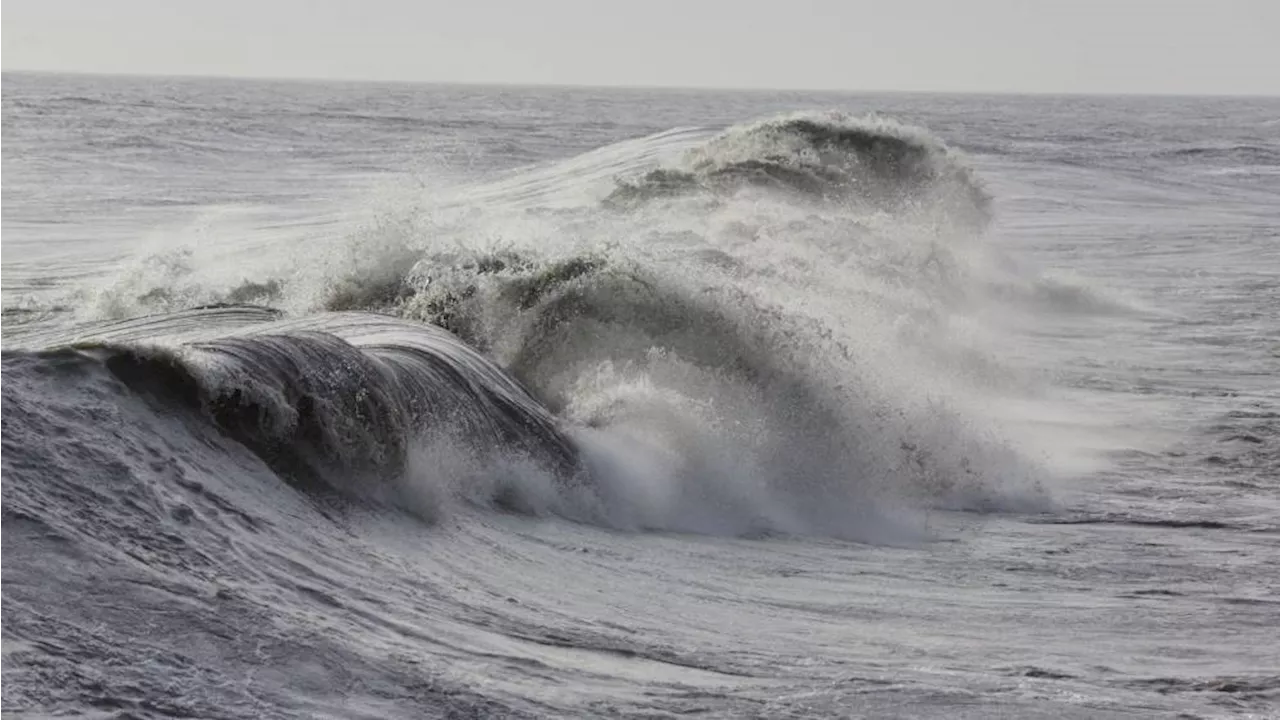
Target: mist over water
503	398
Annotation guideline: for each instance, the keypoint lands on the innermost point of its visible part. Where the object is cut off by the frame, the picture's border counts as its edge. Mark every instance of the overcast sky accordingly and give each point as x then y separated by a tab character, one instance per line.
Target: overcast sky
1178	46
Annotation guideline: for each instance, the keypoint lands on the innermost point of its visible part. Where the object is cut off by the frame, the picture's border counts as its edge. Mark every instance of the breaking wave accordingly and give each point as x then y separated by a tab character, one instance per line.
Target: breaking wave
875	162
747	332
315	406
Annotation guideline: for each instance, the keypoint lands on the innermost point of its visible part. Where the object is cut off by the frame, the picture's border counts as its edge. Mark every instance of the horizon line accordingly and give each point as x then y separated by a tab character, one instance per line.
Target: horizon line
588	86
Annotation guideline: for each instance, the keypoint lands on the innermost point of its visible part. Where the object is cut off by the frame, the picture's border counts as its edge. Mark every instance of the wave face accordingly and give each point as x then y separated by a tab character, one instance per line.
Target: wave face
336	404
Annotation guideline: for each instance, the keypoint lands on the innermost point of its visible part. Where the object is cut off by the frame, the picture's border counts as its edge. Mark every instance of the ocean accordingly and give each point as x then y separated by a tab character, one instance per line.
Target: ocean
389	400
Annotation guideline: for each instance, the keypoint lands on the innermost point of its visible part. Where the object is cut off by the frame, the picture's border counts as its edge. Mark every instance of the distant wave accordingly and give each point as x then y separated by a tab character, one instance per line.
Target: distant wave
1057	295
71	100
1245	154
128	142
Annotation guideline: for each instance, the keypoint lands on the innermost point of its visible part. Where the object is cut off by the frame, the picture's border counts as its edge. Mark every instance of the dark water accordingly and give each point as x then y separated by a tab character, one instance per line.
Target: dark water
398	401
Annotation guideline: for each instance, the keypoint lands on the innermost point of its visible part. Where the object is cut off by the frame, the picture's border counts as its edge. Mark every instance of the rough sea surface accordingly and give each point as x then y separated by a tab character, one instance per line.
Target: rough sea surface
357	400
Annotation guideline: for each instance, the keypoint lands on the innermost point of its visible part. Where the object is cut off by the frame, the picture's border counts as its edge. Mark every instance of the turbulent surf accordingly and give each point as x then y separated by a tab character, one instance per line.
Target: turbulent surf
573	422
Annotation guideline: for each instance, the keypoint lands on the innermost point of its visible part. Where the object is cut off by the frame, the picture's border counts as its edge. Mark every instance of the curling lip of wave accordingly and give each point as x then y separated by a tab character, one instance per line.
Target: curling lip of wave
832	155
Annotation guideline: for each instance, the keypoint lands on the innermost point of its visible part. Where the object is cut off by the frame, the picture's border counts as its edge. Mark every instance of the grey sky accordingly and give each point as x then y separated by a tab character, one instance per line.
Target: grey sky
1186	46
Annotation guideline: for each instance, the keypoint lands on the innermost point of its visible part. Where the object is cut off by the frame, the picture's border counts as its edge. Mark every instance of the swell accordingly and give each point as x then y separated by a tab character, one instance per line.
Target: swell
330	414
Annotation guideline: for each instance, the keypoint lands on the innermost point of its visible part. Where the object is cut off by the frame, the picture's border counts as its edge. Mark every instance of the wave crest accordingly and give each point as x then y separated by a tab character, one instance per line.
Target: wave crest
827	156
